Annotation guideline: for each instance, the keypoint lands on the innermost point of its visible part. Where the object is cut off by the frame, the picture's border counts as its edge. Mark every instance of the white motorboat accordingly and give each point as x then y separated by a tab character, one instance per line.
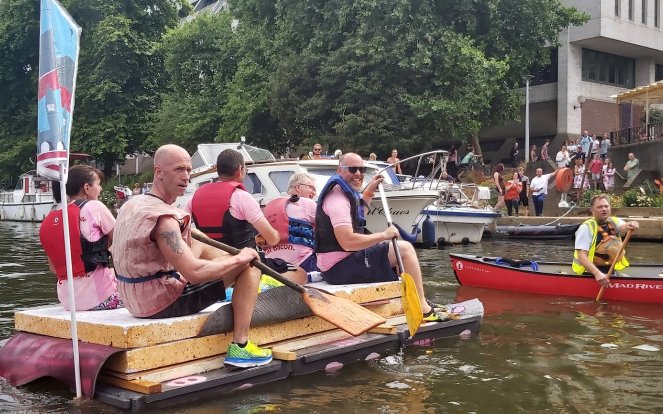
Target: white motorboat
267	178
31	200
458	216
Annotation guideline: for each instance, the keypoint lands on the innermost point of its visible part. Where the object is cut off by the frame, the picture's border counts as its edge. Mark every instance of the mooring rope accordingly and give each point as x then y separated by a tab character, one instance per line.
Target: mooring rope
572	205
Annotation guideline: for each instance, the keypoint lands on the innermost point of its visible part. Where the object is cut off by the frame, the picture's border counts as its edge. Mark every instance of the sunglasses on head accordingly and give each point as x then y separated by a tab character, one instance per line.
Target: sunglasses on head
353	170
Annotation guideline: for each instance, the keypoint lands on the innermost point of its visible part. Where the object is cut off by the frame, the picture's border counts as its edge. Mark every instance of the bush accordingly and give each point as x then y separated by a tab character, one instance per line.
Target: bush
615	200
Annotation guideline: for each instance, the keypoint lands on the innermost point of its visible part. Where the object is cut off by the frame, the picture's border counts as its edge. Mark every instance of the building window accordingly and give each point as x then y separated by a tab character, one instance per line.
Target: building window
545	74
617	7
630	9
657	12
659	73
644	11
608	69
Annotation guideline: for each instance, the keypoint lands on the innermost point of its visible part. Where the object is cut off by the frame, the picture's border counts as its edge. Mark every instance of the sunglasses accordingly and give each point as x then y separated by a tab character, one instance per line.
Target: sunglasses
317	149
353	170
310	187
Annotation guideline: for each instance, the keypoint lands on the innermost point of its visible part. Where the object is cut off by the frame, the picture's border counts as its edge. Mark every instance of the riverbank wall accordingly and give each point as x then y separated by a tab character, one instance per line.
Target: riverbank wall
650	220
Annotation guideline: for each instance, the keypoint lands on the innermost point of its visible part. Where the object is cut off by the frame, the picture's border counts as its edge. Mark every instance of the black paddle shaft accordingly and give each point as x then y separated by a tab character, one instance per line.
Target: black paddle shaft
201	237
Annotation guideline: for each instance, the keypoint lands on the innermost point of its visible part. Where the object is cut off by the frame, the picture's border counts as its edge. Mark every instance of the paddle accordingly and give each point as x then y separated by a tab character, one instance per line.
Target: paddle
409	295
614	262
344	313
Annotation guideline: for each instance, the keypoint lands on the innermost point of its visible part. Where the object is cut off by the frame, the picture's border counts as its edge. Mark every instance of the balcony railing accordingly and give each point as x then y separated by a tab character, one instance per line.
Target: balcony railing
640	133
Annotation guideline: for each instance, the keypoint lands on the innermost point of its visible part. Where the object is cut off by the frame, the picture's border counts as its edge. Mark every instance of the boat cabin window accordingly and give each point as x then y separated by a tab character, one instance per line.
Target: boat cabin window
197	161
253	184
281	179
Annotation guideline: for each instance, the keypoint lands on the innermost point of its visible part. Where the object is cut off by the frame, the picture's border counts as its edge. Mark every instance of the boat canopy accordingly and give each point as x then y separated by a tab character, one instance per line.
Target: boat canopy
206	154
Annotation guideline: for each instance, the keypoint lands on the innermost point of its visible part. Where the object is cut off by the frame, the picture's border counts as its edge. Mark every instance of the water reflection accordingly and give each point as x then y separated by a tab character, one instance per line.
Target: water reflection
534	353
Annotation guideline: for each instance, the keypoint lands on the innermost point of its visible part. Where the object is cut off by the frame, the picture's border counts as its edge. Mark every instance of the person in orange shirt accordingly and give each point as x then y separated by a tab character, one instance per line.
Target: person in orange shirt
512	194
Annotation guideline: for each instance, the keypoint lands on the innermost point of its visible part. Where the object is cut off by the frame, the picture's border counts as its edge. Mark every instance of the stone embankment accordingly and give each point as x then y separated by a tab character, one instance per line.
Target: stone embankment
650	219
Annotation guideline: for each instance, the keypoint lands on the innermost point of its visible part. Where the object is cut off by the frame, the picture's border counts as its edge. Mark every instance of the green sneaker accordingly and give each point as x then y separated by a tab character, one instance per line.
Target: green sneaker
434	316
247	357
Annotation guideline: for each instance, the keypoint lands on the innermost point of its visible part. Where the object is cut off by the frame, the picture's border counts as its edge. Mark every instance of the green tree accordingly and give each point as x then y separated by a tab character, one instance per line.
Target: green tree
19	55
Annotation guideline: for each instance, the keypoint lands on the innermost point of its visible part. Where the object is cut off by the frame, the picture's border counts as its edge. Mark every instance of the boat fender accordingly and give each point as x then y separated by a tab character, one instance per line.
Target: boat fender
428	232
408	237
517	263
564	180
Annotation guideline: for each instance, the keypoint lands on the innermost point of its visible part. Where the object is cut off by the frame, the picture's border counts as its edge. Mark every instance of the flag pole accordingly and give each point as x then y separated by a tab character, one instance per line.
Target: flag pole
70	276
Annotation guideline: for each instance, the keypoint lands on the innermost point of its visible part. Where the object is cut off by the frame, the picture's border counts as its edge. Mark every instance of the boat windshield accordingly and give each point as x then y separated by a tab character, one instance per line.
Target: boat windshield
206	154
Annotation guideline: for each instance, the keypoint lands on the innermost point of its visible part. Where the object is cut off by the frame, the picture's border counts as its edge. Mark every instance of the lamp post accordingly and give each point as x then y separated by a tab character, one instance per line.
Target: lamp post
527	78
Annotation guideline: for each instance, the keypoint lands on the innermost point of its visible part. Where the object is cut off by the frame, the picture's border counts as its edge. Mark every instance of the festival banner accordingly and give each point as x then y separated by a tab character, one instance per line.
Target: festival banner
59	37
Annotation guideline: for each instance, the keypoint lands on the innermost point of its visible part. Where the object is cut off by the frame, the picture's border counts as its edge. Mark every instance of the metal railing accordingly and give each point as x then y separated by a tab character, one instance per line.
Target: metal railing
639	133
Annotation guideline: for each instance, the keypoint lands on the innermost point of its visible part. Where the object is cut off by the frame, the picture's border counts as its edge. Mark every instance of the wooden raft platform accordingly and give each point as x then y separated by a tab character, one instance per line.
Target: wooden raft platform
161	359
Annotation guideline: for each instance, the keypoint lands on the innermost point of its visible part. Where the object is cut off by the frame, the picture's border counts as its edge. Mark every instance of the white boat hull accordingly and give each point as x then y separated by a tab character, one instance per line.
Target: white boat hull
457	225
404	207
25	211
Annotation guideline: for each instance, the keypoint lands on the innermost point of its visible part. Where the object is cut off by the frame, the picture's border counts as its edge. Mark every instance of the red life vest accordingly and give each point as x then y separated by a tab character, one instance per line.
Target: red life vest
210	210
51	235
275	213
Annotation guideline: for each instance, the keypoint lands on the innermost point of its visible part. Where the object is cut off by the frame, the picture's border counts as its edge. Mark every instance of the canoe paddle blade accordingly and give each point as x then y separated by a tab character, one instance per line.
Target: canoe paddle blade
344	313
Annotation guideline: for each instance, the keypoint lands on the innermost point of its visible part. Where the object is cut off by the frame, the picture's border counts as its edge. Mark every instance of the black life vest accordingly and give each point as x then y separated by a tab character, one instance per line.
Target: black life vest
85	255
210	210
325	239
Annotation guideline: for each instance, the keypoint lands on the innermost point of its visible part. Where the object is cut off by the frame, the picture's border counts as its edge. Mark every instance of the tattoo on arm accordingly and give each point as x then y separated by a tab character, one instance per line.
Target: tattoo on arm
173	239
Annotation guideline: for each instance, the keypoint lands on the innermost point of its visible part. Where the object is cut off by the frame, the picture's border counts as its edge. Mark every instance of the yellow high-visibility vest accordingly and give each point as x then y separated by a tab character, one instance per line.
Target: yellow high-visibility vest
593	227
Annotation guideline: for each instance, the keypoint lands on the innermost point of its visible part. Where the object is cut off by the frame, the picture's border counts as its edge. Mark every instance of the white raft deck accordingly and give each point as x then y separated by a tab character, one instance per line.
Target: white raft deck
164	358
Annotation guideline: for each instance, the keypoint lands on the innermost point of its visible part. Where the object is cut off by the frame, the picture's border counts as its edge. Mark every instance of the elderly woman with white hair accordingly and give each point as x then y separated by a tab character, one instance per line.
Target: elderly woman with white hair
294	218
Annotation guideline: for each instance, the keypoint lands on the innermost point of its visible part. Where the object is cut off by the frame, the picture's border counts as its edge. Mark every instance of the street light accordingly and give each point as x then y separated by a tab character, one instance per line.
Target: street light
581	100
527	78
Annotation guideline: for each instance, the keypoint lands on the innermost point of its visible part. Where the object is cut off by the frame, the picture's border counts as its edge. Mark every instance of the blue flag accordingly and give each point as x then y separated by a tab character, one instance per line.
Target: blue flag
59	37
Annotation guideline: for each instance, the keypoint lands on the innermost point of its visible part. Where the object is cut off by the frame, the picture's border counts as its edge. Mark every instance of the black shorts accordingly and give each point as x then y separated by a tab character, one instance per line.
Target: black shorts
524	200
276	264
365	266
193	299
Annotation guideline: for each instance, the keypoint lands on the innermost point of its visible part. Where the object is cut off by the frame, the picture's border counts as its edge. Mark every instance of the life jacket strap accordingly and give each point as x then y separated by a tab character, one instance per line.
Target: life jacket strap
169	273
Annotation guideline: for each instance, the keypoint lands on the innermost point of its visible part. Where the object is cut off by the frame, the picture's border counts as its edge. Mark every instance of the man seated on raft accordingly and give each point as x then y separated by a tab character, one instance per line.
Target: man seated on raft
598	242
347	253
226	212
163	273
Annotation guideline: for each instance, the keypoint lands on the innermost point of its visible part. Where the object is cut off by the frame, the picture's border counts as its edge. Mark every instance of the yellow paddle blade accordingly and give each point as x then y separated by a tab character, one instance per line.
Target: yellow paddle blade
411	303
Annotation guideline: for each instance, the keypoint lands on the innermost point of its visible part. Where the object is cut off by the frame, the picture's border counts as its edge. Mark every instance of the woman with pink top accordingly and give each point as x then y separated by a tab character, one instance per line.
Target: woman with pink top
91	227
609	177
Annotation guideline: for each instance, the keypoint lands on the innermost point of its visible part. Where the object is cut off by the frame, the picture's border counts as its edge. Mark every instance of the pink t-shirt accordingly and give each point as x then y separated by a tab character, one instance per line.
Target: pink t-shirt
337	207
303	209
95	221
242	206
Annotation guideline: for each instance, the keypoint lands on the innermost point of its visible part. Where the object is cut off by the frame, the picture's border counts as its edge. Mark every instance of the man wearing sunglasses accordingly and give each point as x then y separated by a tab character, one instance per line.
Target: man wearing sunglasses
347	253
226	212
317	152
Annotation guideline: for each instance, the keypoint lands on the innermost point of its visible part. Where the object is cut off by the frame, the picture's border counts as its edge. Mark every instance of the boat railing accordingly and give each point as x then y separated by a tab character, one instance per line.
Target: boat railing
437	160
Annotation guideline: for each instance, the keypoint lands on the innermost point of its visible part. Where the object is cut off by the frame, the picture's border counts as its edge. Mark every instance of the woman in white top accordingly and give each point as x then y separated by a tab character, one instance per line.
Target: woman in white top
563	158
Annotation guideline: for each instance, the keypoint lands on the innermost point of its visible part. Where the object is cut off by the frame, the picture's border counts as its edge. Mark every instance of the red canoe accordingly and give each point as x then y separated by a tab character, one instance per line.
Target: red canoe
634	284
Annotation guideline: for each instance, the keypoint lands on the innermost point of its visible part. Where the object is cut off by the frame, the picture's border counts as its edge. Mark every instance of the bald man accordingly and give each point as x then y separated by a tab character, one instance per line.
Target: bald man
346	252
163	273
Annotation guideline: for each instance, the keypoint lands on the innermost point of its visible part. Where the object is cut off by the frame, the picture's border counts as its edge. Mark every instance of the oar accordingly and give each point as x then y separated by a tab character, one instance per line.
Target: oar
344	313
614	262
409	295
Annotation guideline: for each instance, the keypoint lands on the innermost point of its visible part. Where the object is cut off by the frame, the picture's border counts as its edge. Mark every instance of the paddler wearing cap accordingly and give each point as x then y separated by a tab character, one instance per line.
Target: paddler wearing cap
598	242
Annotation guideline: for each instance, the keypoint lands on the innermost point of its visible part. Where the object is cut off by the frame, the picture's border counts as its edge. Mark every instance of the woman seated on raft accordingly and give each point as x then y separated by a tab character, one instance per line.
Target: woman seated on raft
91	232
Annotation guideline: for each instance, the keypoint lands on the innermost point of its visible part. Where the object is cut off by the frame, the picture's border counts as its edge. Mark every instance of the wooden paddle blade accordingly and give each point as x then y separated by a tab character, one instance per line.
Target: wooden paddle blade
411	303
344	313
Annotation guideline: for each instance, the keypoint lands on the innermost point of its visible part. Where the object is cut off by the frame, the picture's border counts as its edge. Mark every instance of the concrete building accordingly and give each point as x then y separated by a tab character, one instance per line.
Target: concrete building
619	48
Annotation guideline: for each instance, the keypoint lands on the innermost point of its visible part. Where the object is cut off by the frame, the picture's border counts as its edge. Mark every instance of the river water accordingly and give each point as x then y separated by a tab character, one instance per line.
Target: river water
534	353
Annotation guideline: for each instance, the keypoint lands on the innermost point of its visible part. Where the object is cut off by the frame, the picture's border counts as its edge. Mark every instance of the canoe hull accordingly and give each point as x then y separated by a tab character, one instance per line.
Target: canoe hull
483	272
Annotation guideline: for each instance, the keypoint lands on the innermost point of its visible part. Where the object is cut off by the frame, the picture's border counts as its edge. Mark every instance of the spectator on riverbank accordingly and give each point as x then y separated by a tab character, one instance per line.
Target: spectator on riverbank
563	158
585	143
596	169
452	162
609	176
513	155
632	166
544	151
532	154
604	146
524	180
512	194
317	152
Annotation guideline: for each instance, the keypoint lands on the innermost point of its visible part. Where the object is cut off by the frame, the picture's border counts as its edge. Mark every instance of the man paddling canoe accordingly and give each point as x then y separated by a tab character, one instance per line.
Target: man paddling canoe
163	273
598	242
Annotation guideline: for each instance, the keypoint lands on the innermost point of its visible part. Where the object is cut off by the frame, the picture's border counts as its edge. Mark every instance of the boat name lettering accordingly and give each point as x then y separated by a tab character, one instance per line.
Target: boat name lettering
380	211
635	286
270	249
